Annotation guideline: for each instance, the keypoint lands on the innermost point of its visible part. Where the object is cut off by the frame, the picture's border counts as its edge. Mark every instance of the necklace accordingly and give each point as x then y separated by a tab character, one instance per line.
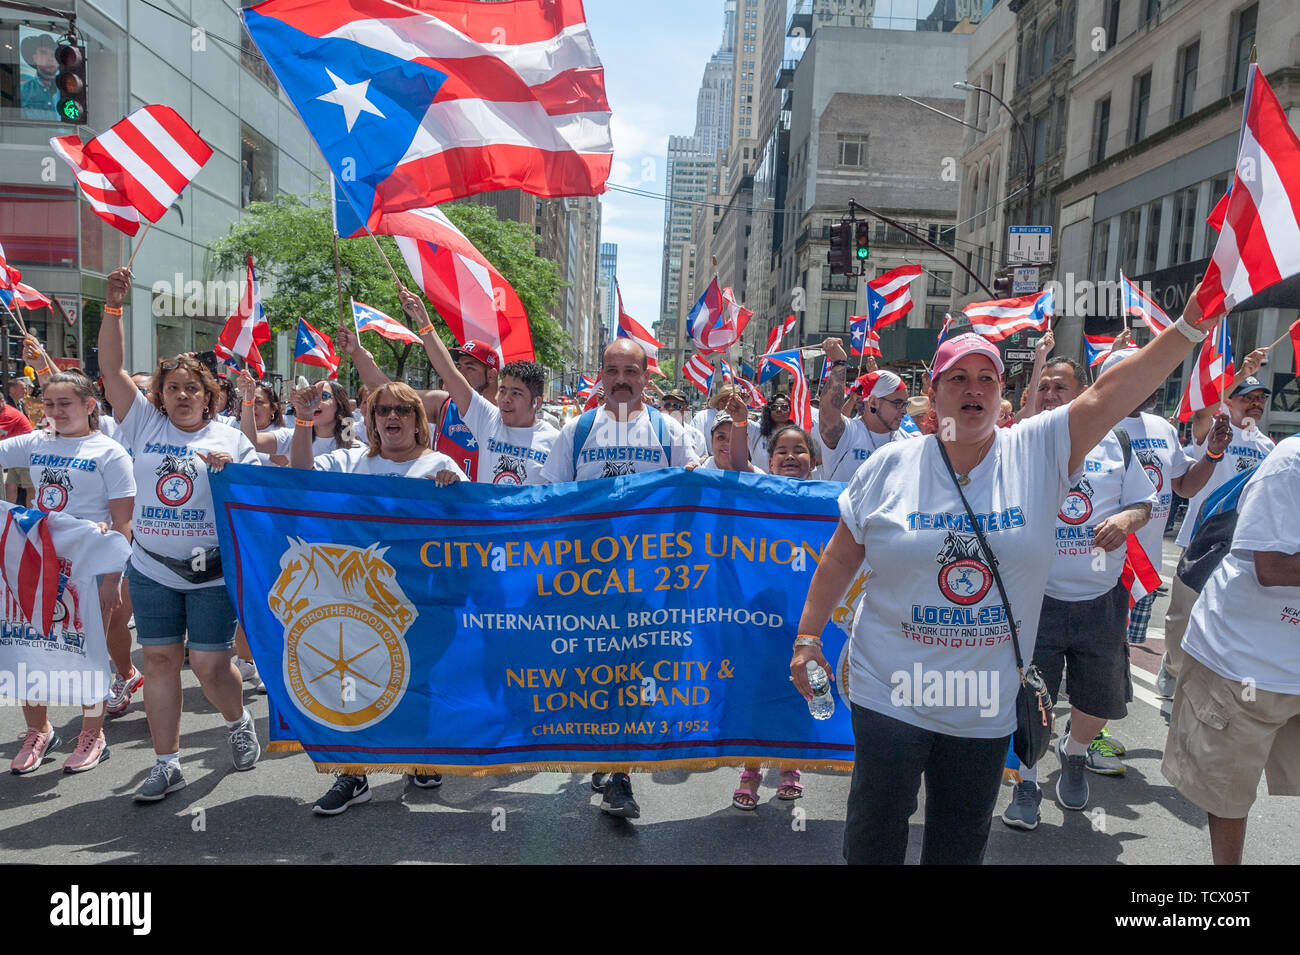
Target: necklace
964	478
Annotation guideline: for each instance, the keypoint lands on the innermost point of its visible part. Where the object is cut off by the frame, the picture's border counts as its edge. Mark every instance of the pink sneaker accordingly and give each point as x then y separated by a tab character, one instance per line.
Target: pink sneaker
35	745
121	690
90	751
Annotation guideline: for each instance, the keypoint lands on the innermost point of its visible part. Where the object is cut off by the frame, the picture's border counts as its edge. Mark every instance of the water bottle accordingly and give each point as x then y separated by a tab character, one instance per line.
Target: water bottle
822	705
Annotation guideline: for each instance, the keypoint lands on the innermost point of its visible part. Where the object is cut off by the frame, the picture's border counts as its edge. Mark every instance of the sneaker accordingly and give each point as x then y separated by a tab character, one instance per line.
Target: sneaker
248	674
90	751
1166	682
598	782
1108	745
345	791
618	799
1023	812
1102	762
121	690
1072	783
244	747
163	779
425	781
32	753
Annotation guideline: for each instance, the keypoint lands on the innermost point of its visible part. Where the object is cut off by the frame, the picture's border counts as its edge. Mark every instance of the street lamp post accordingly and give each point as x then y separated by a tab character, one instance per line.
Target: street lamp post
1024	143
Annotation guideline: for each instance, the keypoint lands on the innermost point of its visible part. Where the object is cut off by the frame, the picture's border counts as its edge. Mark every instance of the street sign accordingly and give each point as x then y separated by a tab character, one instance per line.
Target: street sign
1024	280
69	304
1019	354
1015	368
1029	244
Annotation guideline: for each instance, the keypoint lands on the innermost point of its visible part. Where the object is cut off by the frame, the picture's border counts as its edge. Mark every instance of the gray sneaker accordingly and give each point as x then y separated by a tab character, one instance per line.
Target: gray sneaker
244	747
163	779
1166	682
1023	811
1072	783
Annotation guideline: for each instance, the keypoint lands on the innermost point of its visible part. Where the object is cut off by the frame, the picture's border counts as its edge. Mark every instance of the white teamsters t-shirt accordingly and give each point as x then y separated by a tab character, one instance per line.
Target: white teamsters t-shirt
77	476
856	445
173	500
1238	628
69	665
360	461
1156	446
1105	488
614	448
507	455
1247	448
319	446
932	606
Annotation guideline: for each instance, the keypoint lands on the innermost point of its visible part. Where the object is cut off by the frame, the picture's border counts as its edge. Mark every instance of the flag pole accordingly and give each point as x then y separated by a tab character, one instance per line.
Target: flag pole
338	275
1285	334
139	242
365	225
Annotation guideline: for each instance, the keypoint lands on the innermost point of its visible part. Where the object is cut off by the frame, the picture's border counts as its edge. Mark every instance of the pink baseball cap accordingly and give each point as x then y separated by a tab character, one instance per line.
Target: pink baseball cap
480	351
958	347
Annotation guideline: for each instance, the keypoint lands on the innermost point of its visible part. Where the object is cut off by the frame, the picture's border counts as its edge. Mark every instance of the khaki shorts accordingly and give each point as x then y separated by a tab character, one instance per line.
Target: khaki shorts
1219	743
20	477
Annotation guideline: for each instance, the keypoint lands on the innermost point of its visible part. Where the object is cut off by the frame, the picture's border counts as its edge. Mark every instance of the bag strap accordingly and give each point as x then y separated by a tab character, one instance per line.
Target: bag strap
989	557
586	421
657	420
1125	444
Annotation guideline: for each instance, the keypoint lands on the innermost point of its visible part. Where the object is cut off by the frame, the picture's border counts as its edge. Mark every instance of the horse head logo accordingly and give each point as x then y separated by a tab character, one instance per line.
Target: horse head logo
842	616
332	573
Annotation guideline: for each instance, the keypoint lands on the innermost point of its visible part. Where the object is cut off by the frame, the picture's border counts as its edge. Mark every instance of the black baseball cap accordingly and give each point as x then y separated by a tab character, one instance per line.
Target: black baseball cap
1250	384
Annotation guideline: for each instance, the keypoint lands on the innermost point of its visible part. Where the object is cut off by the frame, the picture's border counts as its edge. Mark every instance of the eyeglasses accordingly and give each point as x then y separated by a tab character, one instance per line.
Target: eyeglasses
898	403
402	411
779	406
674	406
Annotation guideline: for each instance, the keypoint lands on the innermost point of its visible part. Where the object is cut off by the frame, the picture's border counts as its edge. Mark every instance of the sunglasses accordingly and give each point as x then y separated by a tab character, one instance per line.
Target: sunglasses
674	406
402	411
779	406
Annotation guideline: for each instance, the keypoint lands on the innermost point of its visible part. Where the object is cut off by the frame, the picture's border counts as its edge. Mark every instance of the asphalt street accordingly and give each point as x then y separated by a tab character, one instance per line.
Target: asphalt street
264	815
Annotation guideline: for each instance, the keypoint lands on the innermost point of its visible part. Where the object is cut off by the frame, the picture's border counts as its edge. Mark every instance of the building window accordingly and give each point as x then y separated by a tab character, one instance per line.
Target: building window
1184	225
835	315
1185	95
1100	129
258	167
1245	32
1152	247
852	150
1112	23
1141	104
938	283
253	61
1128	240
1101	250
1040	139
1149	10
934	315
1047	49
836	283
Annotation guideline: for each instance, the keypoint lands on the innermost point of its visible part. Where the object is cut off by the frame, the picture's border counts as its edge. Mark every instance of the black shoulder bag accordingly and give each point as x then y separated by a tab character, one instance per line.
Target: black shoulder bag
1034	716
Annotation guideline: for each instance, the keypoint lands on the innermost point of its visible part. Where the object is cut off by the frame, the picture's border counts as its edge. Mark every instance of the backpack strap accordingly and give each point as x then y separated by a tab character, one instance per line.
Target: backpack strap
657	420
586	421
1125	444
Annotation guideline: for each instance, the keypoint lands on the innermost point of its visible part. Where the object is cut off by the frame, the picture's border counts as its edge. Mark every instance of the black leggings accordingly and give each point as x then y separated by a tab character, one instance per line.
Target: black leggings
962	777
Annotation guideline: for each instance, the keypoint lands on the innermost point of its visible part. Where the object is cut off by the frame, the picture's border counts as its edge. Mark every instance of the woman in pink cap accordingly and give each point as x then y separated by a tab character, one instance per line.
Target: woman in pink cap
933	679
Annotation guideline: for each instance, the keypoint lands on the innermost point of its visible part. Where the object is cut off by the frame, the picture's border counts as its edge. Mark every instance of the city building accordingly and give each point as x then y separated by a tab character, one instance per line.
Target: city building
608	279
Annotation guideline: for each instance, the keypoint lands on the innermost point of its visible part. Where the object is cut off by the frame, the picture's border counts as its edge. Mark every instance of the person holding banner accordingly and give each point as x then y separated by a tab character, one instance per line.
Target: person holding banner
980	503
399	447
846	443
175	571
86	475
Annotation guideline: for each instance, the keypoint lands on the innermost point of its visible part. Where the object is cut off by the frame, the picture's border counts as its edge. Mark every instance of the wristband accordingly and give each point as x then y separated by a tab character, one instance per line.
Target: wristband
742	425
42	371
803	640
838	364
250	403
303	424
1212	456
1193	335
425	330
112	310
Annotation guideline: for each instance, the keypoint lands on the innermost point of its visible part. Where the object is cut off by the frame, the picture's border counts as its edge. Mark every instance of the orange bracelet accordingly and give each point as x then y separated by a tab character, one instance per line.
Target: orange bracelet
112	310
303	424
249	404
425	330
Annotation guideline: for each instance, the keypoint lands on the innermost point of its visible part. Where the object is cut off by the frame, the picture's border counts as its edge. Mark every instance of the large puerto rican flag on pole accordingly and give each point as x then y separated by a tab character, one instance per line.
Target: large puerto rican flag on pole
1213	370
716	320
416	105
889	297
1259	242
778	332
248	327
137	167
699	372
1000	318
629	327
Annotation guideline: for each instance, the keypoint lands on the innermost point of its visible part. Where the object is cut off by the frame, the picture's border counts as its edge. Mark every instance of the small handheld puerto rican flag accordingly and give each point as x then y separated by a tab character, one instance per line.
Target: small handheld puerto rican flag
247	327
30	566
699	372
1139	304
224	355
313	348
585	387
727	374
369	319
1139	576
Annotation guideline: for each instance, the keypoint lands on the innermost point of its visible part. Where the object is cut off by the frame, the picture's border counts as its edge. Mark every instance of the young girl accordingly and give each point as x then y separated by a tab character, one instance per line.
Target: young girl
80	472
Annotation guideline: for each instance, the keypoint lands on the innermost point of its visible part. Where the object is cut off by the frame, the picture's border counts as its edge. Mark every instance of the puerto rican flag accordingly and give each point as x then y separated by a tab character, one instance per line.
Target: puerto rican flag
313	348
1212	372
248	327
1139	304
947	324
1259	243
440	99
769	366
585	387
27	297
629	327
1220	212
778	332
699	372
889	297
863	340
727	374
1000	318
137	167
31	567
369	319
1139	575
717	320
1096	348
753	397
224	354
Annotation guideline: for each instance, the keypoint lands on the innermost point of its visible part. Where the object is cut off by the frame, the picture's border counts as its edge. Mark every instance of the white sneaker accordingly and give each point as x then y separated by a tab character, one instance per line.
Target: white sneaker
248	674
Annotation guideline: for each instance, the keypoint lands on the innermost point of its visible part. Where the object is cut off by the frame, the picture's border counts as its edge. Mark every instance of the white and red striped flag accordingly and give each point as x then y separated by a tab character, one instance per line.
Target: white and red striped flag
778	332
769	366
1212	372
248	327
1139	575
1139	304
137	167
30	565
585	387
629	327
753	397
1001	318
889	297
699	372
367	318
1259	242
313	348
29	298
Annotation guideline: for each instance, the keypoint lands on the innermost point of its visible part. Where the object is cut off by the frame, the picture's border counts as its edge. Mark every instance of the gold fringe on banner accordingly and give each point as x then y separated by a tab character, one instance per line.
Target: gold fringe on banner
508	769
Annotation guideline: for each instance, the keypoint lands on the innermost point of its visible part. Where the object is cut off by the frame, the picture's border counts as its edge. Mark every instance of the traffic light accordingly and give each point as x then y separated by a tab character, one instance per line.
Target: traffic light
1002	286
862	240
838	256
71	81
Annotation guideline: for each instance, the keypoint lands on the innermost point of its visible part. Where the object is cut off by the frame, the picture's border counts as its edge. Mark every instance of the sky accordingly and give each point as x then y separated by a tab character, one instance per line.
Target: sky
654	56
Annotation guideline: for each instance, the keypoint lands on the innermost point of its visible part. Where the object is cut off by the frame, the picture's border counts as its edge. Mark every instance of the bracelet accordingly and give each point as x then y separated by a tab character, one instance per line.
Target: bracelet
838	364
425	330
249	403
742	425
1193	335
303	424
112	310
803	640
42	371
1212	456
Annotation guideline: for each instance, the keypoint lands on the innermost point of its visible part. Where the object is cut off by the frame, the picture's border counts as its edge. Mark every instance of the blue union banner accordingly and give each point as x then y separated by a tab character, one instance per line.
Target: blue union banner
642	621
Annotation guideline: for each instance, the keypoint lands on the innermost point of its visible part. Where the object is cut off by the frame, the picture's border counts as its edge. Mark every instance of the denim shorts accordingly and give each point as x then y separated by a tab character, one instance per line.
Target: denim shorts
164	615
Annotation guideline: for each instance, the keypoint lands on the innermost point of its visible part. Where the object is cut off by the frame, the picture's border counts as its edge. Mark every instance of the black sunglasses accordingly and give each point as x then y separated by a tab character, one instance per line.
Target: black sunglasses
402	411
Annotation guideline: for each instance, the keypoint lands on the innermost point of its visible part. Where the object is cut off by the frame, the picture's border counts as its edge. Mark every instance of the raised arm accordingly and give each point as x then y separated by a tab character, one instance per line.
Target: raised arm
1202	420
830	422
262	441
305	401
35	355
457	387
738	453
1041	351
119	389
373	377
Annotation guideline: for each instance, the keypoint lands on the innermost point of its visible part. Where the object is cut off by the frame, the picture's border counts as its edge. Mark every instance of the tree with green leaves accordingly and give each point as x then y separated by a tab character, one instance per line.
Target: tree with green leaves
292	245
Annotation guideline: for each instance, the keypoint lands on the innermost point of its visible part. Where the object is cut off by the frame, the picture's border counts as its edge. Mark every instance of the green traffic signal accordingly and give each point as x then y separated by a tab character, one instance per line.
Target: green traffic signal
863	253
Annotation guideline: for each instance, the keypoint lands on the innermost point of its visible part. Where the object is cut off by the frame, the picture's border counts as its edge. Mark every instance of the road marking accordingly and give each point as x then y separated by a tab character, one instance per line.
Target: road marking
1140	691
